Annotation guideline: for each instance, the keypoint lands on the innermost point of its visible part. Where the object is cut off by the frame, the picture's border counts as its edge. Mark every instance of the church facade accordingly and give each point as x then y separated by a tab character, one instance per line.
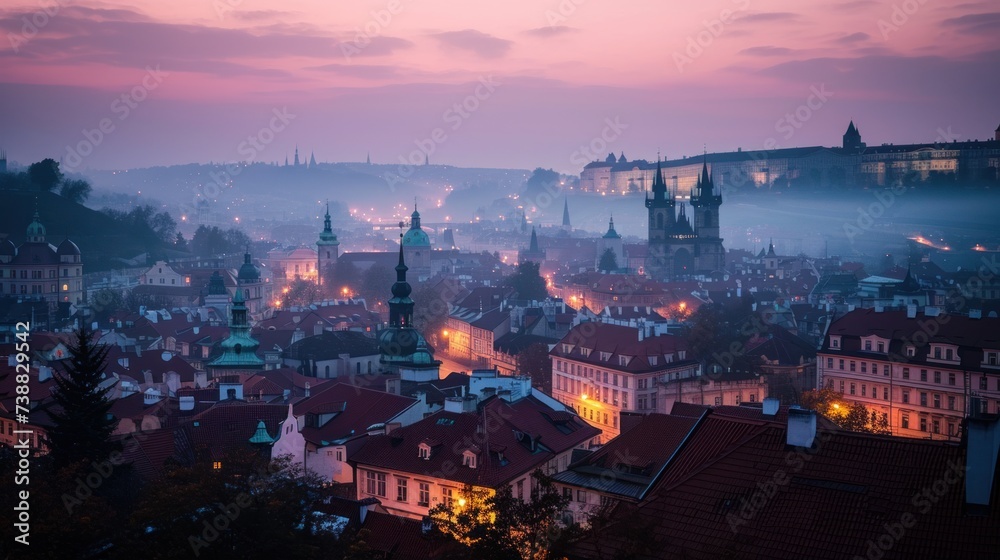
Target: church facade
40	270
678	248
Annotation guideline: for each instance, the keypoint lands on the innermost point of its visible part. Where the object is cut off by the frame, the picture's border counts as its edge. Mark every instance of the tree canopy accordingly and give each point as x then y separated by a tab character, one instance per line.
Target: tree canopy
528	282
82	427
608	262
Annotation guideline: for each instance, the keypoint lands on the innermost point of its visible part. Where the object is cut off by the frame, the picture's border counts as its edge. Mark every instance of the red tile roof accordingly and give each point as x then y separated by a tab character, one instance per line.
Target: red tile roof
621	340
356	410
736	490
511	426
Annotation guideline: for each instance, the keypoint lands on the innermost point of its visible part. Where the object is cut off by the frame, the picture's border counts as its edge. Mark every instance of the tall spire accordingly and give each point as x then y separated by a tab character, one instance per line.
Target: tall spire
533	246
312	159
296	155
401	306
566	223
368	158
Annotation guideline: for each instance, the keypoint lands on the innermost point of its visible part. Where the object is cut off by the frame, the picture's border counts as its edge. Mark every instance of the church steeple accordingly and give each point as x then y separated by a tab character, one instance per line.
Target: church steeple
239	350
566	223
296	155
312	160
533	245
327	247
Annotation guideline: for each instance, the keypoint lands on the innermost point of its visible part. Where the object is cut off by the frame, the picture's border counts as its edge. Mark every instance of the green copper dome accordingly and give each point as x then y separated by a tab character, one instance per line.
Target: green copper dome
36	231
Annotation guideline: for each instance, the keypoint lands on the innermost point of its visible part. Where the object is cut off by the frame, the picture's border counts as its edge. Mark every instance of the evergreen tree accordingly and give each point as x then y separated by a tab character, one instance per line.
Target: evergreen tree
609	262
82	425
528	282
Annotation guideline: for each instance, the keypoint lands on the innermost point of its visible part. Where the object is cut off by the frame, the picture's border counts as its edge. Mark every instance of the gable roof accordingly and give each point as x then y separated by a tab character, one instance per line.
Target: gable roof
512	428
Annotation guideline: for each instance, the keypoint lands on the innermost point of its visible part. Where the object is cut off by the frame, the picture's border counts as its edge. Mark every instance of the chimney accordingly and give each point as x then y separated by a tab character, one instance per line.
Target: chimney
911	311
187	403
980	460
196	329
307	389
801	427
453	404
318	328
642	333
771	405
147	377
469	403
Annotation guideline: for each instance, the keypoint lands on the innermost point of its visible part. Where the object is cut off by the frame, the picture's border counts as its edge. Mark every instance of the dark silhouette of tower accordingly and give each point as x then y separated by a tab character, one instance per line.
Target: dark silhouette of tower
852	138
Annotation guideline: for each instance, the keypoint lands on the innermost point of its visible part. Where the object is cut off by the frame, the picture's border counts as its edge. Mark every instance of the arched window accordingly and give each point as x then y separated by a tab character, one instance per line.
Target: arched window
326	371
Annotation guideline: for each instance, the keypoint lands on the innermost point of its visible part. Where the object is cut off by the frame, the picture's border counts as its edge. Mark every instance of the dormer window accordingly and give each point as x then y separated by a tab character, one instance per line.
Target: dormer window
652	360
682	354
424	451
469	459
881	346
605	356
834	342
624	360
991	358
585	352
910	351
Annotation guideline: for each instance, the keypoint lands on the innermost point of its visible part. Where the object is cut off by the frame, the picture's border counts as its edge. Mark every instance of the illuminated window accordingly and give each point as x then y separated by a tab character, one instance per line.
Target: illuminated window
217	465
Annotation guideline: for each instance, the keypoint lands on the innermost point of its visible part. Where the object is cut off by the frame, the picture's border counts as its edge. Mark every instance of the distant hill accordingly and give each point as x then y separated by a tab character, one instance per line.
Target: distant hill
103	242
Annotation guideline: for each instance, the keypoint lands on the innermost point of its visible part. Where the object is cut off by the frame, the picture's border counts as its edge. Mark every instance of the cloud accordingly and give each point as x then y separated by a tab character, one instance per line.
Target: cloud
762	17
767	51
382	45
482	44
128	39
259	15
367	71
551	31
853	38
985	23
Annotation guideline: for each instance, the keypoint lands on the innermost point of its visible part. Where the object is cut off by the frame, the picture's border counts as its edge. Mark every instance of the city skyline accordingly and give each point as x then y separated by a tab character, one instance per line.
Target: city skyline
190	83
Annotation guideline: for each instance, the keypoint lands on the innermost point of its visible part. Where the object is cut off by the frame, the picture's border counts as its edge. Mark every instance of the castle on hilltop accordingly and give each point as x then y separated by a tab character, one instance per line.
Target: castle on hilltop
853	164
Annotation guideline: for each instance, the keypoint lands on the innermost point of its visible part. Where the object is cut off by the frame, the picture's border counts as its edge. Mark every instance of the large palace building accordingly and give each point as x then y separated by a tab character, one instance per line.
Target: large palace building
854	163
39	270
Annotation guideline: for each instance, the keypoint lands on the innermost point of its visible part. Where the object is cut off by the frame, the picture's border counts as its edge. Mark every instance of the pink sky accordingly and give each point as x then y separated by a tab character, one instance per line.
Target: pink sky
381	76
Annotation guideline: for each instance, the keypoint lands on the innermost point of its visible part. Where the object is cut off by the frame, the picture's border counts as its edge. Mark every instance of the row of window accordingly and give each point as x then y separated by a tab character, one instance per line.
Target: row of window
925	397
578	387
590	373
376	484
599	417
37	274
924	375
932	426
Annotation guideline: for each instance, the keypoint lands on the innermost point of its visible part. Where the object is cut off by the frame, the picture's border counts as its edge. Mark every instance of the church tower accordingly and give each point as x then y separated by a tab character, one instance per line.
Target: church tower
852	138
566	223
417	245
327	248
662	207
706	204
248	281
296	156
709	252
239	350
403	349
662	221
